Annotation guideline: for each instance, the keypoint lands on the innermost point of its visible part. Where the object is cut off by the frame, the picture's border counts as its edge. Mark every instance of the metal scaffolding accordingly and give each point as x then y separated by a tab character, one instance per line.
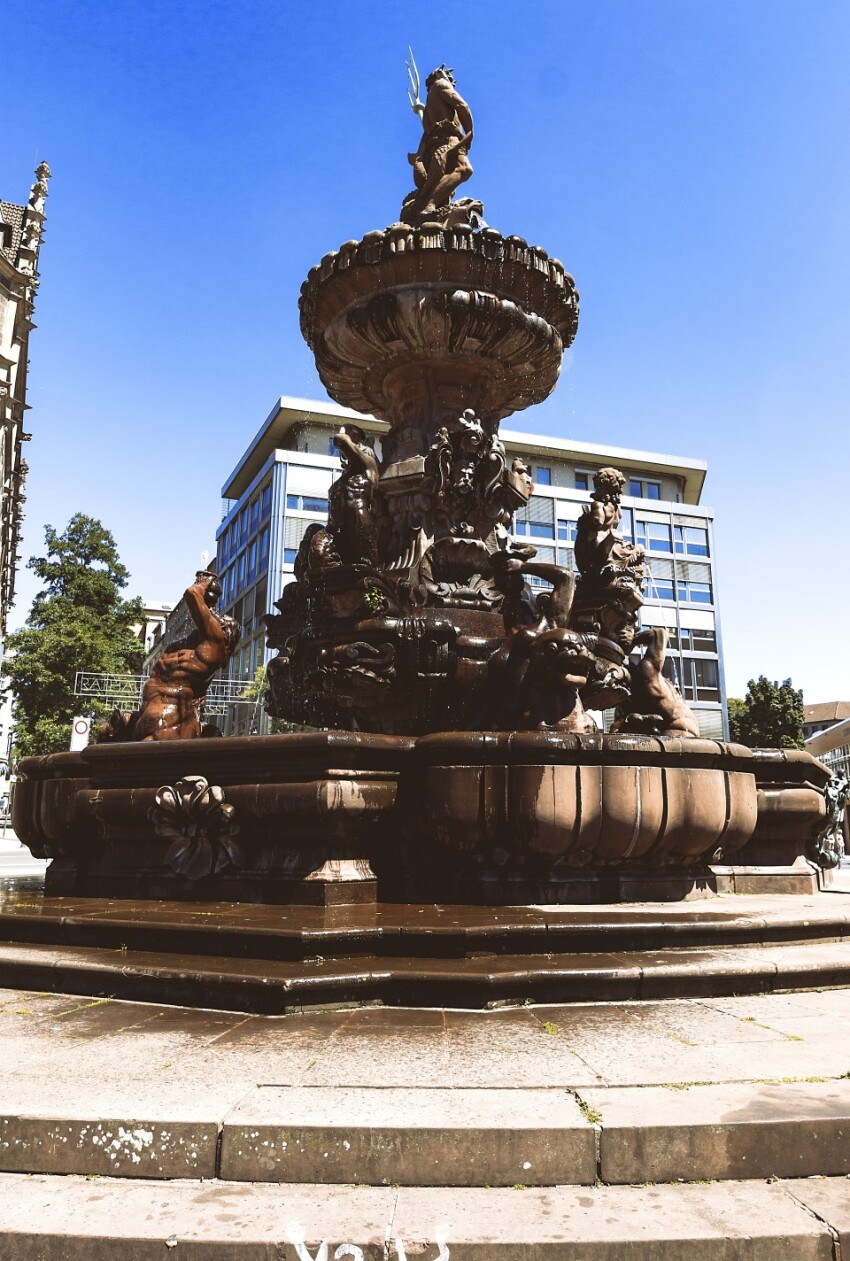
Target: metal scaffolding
124	691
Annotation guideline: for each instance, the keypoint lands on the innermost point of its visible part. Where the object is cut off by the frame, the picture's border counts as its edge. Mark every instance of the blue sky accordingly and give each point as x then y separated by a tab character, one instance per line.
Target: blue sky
688	160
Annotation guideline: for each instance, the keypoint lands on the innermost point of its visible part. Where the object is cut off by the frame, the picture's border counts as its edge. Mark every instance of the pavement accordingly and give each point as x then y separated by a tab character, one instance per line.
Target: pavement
710	1128
706	1128
15	858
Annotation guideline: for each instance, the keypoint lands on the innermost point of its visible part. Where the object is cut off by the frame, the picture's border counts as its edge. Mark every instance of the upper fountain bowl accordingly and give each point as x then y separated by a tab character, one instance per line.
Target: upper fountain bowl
432	320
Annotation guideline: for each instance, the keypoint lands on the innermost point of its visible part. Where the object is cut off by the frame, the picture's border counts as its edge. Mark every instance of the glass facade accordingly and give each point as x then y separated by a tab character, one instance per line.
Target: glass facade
259	537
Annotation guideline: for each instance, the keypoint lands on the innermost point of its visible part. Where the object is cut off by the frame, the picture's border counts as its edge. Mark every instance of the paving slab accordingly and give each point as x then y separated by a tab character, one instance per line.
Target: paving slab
653	1134
409	1137
828	1199
73	1219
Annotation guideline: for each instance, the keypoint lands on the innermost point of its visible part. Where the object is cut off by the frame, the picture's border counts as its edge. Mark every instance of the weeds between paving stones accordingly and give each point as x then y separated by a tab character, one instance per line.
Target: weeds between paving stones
592	1115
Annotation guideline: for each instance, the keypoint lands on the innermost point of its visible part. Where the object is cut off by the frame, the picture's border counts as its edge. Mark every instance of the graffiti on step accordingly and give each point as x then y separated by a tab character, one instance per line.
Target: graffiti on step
393	1248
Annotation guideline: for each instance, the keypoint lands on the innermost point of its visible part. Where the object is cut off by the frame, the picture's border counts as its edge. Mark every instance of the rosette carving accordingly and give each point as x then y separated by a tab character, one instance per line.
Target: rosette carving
200	824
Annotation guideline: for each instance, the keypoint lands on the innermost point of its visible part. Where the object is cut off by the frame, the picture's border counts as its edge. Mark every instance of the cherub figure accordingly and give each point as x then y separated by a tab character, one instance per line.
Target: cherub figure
596	528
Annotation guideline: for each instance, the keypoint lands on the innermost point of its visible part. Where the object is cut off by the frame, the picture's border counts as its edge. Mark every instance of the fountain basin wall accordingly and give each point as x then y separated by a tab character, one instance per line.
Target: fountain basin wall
344	817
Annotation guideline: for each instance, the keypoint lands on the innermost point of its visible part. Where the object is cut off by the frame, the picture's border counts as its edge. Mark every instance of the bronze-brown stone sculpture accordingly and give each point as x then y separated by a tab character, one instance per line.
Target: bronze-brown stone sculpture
459	759
172	699
441	163
399	615
654	704
173	695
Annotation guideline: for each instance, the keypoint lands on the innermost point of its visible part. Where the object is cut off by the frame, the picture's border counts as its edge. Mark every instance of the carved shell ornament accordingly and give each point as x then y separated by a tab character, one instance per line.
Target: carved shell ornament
202	826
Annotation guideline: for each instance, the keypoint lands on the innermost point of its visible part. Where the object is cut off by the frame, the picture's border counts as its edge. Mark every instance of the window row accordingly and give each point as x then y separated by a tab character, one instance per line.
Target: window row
697	680
251	608
657	536
257	510
251	563
653	536
672	589
245	661
307	503
691	640
637	487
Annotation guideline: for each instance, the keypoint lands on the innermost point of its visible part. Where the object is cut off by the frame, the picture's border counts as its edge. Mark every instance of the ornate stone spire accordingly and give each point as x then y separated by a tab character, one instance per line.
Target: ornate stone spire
33	228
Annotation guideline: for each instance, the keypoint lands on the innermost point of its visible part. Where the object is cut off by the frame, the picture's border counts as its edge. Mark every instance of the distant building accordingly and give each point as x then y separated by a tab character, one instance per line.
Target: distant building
149	631
20	238
280	486
822	716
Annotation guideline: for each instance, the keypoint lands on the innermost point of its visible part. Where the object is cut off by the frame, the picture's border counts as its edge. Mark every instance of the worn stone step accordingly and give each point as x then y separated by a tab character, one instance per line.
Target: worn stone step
296	933
275	986
751	1130
452	1137
78	1219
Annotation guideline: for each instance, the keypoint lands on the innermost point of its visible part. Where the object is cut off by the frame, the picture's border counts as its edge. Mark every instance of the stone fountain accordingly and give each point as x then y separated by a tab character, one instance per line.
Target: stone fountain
455	758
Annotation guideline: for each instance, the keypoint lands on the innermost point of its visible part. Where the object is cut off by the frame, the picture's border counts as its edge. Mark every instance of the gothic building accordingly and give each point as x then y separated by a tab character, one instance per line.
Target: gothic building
20	238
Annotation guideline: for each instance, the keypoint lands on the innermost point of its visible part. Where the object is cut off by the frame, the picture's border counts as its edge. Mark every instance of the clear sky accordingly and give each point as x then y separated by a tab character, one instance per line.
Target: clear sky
688	160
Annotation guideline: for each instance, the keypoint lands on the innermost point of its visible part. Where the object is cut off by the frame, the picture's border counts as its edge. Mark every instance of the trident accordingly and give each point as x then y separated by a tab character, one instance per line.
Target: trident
413	78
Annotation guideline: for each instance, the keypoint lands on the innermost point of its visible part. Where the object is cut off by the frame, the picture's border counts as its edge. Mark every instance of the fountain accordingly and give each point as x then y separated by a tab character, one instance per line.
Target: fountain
455	758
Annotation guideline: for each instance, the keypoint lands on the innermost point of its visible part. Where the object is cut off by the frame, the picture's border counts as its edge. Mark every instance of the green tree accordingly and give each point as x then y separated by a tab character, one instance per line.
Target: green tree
769	717
79	621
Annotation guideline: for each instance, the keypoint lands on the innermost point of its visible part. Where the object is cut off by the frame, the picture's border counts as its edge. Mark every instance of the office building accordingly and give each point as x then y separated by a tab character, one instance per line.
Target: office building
280	486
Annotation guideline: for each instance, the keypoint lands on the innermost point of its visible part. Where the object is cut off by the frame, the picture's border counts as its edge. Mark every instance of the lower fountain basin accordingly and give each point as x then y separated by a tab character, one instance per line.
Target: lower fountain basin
344	817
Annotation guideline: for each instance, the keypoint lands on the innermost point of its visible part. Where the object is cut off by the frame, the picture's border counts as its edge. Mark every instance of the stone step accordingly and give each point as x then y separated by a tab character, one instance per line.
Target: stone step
415	931
453	1137
46	1218
274	986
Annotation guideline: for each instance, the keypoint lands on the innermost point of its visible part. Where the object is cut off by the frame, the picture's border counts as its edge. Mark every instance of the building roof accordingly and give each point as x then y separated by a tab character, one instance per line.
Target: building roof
12	214
832	738
291	411
826	711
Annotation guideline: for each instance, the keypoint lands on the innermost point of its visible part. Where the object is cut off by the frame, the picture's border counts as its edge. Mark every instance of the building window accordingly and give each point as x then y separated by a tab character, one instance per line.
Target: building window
566	531
289	555
252	561
626	526
306	503
640	489
707	680
264	547
654	536
660	589
695	592
698	640
255	512
534	529
332	447
544	475
583	480
266	500
691	540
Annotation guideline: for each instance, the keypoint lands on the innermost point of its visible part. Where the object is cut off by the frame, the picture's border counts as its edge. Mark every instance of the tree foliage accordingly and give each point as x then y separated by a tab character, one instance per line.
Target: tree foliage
78	621
769	717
